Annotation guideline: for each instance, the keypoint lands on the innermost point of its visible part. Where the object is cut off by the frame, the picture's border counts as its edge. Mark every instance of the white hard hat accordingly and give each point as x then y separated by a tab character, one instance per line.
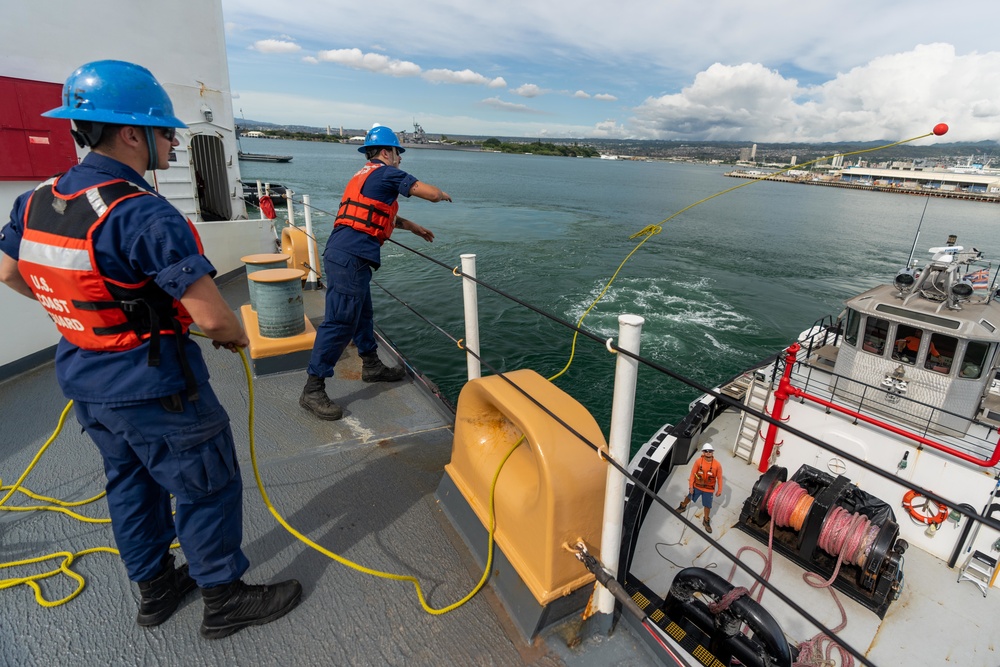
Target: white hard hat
707	447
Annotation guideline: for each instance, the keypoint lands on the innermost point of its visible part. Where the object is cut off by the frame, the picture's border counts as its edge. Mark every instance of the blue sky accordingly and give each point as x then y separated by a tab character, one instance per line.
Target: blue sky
760	70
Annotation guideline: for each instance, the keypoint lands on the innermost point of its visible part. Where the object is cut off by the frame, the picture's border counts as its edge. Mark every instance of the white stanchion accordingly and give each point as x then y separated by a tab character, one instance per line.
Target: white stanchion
471	316
260	193
622	411
312	279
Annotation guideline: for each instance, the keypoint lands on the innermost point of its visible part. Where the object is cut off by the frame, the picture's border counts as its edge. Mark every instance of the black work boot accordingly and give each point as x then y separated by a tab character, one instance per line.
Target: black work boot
315	400
231	607
373	370
159	597
684	505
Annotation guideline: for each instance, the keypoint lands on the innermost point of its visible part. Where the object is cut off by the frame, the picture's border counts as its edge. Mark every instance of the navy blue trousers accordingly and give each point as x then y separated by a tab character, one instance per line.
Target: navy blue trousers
348	315
151	453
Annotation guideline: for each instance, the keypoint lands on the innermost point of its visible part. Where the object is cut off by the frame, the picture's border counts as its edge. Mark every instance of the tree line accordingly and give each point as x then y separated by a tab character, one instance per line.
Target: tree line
539	148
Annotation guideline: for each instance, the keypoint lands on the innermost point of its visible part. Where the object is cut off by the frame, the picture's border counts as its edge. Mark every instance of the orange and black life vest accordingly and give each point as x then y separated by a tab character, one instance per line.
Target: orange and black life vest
704	477
91	310
365	214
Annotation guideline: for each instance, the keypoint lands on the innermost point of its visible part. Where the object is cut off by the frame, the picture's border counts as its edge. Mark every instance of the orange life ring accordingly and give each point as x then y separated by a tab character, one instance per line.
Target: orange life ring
267	207
920	516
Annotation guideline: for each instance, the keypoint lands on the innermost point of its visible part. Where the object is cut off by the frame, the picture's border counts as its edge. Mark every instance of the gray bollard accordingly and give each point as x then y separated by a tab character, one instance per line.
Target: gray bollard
262	262
280	309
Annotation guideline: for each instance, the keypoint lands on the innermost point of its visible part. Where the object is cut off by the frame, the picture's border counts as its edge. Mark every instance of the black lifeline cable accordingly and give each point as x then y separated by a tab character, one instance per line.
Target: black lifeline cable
988	521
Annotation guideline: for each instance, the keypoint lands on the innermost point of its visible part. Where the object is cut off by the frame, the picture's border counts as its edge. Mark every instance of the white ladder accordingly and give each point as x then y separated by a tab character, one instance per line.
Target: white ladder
756	397
979	570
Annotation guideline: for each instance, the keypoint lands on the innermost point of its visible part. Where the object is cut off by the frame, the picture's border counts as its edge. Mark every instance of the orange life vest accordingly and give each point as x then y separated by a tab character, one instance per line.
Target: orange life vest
705	477
58	263
365	214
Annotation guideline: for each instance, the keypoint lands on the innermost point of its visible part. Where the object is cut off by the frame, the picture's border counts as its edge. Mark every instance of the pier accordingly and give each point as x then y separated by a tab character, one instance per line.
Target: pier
894	188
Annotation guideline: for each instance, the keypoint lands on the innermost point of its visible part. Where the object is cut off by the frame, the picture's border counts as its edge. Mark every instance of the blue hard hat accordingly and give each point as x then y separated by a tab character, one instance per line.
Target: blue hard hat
379	136
114	91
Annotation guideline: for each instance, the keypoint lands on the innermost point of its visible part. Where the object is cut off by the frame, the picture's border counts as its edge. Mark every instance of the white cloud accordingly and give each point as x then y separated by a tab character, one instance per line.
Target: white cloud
605	97
275	46
371	62
466	76
497	103
310	59
527	90
896	96
581	95
609	128
498	82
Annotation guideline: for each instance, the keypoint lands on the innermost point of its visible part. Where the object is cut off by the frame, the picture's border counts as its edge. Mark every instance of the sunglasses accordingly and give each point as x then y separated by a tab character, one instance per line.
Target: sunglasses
169	133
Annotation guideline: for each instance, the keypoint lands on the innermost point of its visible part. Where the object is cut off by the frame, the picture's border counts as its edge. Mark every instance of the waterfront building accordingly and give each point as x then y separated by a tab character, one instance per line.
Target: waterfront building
982	183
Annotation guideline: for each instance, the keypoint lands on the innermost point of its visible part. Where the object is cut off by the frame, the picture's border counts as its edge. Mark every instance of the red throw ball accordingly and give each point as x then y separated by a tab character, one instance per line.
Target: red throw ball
940	128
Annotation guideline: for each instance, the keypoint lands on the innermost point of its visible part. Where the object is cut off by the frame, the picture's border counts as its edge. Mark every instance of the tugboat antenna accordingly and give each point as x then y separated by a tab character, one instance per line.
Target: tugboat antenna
909	262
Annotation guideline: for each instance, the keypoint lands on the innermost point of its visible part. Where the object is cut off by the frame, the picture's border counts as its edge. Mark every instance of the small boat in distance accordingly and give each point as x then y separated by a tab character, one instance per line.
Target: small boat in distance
277	191
263	157
257	157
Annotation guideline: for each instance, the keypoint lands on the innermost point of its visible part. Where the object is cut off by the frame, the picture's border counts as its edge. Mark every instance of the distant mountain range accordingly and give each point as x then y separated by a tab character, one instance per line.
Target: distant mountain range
983	150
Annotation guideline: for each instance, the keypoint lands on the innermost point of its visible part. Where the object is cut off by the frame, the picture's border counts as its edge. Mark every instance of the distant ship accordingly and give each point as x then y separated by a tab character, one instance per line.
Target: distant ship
263	157
418	139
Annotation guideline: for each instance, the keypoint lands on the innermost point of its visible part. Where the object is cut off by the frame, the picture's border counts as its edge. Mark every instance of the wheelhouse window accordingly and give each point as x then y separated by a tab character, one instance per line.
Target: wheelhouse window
907	344
975	360
876	333
853	324
945	346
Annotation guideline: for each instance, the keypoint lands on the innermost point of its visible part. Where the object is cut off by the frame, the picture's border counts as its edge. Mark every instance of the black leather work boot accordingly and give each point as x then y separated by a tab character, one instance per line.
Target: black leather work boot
373	370
315	400
159	597
231	607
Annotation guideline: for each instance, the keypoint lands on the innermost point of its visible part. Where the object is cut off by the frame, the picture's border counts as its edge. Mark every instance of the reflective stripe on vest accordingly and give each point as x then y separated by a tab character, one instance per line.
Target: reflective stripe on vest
57	262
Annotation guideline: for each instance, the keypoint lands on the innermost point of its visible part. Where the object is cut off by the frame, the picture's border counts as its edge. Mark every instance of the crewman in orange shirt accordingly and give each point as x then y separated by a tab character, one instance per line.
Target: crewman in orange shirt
706	478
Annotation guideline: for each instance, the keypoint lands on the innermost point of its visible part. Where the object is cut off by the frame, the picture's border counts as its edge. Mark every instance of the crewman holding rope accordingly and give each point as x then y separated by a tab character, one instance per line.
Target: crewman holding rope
706	478
366	218
122	274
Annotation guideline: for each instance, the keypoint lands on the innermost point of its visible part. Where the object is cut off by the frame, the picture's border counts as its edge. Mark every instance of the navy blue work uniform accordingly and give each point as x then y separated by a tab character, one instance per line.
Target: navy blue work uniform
349	258
153	440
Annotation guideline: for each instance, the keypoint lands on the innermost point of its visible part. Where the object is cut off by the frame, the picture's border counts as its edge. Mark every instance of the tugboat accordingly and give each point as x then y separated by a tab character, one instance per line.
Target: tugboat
856	459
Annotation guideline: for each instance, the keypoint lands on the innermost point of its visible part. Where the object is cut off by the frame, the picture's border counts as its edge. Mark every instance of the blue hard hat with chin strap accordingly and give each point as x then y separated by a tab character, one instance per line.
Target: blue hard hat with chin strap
381	136
119	93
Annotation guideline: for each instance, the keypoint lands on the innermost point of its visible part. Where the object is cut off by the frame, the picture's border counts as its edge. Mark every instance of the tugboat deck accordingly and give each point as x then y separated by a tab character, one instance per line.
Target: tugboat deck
908	635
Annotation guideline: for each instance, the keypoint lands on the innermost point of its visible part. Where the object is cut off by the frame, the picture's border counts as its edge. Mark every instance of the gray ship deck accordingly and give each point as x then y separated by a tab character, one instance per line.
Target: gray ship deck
362	487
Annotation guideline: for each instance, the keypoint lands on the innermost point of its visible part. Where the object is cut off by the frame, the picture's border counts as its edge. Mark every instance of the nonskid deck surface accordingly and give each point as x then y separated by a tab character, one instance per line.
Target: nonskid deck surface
362	487
936	621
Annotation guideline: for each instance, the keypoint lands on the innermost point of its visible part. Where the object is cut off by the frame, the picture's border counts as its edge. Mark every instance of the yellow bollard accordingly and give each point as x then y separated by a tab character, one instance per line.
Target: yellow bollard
551	490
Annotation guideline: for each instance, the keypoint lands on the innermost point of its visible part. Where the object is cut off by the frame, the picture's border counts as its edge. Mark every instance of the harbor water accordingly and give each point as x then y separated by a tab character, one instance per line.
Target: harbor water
725	284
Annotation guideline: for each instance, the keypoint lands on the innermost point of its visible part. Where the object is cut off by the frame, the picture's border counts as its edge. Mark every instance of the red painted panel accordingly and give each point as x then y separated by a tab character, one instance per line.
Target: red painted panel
32	147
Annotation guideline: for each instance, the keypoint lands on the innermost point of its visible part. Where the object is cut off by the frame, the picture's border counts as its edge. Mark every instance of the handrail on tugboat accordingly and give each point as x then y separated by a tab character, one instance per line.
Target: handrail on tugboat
786	389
